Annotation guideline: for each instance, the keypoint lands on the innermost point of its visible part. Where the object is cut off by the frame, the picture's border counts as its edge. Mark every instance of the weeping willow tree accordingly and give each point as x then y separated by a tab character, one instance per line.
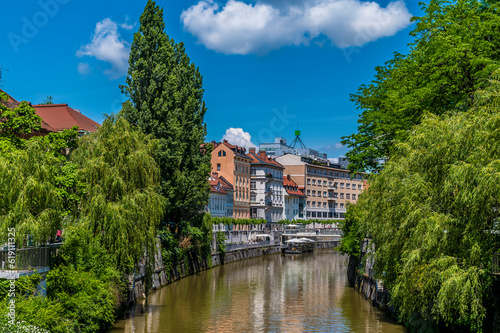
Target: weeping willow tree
37	185
433	215
121	205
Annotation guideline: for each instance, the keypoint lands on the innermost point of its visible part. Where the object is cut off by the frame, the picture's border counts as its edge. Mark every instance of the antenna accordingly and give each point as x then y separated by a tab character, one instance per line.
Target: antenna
297	139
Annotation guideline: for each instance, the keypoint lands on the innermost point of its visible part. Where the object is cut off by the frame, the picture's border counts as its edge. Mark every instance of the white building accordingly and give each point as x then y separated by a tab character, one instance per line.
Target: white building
294	200
266	187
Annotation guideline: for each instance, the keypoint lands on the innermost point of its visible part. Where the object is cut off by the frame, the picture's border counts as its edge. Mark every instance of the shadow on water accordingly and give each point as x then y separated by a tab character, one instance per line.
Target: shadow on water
275	293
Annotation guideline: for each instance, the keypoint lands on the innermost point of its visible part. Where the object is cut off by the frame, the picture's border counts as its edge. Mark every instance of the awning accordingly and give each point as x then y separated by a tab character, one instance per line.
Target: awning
295	240
307	240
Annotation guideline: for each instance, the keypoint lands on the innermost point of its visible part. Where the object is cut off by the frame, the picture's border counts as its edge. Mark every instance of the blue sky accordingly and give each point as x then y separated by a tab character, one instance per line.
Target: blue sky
267	64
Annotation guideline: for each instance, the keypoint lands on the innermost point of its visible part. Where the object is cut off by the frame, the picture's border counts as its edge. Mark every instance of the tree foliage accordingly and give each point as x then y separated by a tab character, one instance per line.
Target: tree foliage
121	205
450	58
431	213
166	100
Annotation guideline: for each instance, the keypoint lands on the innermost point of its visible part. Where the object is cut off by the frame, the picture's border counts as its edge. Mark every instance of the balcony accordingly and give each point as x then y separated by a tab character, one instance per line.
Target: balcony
331	198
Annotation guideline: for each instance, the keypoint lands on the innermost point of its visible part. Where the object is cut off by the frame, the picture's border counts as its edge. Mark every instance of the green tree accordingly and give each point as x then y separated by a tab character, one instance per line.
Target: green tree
449	59
16	124
48	100
432	214
121	205
166	100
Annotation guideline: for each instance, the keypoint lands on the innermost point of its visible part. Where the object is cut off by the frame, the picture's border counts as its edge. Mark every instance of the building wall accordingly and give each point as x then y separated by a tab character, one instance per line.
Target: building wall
217	204
323	200
236	170
267	192
291	207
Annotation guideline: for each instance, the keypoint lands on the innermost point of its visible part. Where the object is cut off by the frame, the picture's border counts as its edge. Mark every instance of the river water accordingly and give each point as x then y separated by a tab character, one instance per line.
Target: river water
276	293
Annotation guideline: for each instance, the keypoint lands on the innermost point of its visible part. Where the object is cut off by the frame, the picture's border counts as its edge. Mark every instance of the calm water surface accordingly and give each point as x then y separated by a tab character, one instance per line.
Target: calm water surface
292	293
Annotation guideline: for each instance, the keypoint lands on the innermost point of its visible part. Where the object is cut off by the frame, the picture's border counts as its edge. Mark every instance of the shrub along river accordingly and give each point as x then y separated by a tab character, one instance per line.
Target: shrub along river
276	293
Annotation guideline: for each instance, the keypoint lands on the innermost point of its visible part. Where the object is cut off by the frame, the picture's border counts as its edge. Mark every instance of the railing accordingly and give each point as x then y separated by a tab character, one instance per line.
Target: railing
331	232
28	258
232	247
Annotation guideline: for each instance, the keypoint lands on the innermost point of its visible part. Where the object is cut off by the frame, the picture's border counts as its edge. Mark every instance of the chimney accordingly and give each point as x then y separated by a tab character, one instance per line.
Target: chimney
215	175
288	177
262	154
225	141
251	150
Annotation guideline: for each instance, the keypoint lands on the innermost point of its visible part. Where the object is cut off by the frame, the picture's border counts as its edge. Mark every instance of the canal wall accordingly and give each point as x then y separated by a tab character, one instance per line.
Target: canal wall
162	276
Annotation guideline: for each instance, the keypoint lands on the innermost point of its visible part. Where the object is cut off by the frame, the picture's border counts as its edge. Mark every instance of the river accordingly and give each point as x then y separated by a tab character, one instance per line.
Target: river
276	293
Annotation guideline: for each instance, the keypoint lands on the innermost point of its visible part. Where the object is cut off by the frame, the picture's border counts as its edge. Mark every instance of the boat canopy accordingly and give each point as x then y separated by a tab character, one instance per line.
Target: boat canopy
295	240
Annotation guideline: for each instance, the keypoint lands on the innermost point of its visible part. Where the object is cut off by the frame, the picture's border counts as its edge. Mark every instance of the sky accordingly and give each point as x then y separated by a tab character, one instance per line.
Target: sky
269	66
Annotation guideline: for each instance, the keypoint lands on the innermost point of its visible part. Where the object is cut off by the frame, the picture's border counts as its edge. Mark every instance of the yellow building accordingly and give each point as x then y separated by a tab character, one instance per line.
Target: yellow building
328	187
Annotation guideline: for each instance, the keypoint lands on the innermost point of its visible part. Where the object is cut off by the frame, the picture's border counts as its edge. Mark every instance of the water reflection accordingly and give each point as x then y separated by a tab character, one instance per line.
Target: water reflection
302	293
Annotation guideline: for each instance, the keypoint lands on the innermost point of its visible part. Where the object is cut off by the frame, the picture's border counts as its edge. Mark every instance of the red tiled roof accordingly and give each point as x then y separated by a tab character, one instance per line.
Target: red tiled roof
215	186
295	189
10	102
263	159
60	117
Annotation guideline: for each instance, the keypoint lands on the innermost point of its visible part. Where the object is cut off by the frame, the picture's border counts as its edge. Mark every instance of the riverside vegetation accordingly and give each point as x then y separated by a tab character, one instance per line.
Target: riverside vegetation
110	190
431	210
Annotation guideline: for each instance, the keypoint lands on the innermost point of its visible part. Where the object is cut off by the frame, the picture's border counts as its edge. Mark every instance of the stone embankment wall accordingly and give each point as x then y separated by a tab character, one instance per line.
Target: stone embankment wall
368	286
161	277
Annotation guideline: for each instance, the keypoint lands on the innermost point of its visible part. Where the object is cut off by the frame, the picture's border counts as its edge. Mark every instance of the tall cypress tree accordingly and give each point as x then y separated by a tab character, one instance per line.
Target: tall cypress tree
166	100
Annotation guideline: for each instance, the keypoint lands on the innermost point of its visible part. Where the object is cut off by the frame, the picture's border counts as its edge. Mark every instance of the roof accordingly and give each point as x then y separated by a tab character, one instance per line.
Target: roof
10	102
237	150
226	184
60	117
262	158
295	191
216	187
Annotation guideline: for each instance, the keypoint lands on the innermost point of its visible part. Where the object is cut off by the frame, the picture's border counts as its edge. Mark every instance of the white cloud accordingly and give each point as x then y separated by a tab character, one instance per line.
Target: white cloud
241	28
334	160
237	136
108	46
83	68
338	145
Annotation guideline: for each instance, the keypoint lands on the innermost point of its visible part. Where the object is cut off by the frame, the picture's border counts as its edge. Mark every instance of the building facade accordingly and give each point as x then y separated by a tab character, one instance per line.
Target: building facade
328	187
294	200
266	187
231	163
220	202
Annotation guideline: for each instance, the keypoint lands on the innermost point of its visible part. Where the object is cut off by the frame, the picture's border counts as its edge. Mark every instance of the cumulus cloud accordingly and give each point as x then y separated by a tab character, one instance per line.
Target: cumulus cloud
83	68
241	28
108	46
237	136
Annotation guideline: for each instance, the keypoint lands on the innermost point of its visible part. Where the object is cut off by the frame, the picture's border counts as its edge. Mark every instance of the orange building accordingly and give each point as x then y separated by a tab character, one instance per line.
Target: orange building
231	162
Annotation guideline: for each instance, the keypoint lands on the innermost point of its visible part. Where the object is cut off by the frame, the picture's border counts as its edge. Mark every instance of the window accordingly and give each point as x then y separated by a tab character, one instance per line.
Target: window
335	195
223	153
319	182
324	182
220	153
336	174
336	184
348	196
313	204
313	214
324	204
341	185
325	214
354	197
341	205
324	194
314	181
336	205
314	193
360	187
341	195
348	186
308	192
308	204
218	166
